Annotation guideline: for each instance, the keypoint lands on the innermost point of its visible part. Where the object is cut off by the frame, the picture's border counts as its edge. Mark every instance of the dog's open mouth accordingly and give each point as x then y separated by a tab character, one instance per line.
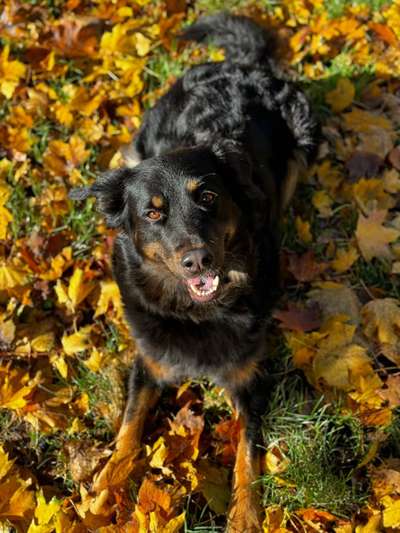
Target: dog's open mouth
203	288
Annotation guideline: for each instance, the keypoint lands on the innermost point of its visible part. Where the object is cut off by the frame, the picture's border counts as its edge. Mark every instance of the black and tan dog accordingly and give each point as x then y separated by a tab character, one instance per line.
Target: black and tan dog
198	210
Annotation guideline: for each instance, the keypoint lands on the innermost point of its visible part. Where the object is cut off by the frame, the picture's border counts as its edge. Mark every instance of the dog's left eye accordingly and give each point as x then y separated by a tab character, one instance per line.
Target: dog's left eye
154	215
207	198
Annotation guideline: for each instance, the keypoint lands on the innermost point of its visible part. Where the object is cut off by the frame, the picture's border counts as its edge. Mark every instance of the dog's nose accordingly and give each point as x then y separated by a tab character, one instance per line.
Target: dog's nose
196	260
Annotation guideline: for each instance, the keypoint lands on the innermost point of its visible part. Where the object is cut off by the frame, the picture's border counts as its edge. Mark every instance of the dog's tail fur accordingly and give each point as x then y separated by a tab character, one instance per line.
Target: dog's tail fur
244	41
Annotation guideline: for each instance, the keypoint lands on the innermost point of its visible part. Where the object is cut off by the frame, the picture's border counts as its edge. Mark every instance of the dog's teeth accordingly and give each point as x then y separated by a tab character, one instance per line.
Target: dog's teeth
215	282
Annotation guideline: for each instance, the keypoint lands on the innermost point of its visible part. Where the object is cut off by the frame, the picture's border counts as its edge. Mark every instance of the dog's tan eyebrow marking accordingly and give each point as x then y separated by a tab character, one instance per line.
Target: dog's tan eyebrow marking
157	201
192	184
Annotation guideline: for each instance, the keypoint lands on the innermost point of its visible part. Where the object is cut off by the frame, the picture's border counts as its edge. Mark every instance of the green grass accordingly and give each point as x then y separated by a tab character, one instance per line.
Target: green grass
336	8
25	216
82	219
200	519
323	447
375	274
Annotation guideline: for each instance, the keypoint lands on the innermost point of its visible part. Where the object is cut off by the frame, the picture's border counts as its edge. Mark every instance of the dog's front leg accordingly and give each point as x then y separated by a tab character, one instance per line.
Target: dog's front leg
142	395
251	401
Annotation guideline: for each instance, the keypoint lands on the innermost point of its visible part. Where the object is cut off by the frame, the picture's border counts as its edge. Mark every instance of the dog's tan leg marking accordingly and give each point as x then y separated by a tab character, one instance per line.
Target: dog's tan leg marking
127	446
244	514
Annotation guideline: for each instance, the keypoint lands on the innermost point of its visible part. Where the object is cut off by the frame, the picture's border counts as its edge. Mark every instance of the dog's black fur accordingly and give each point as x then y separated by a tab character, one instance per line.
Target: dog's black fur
213	158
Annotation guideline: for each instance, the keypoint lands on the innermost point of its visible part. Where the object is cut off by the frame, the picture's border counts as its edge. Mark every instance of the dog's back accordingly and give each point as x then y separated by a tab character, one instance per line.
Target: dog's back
240	100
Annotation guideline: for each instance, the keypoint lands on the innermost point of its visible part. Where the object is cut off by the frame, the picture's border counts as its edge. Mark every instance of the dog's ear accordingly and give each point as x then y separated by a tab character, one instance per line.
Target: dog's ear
110	192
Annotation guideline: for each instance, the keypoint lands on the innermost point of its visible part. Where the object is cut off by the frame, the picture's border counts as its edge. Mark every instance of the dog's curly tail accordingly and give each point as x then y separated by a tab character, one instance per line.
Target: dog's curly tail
244	40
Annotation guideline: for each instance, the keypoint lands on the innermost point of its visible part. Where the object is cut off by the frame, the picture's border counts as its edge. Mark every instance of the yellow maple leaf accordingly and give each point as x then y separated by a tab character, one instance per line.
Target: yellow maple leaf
373	238
342	96
361	121
78	341
78	289
11	277
303	229
323	202
142	44
11	73
5	218
370	195
339	366
174	525
15	386
391	512
109	294
372	526
95	360
44	511
58	361
5	463
345	258
43	342
158	452
382	319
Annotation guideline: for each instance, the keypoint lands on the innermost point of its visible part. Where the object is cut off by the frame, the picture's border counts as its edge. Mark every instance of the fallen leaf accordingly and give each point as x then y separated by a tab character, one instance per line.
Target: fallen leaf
344	260
299	318
78	341
342	96
381	322
373	237
364	165
303	229
304	267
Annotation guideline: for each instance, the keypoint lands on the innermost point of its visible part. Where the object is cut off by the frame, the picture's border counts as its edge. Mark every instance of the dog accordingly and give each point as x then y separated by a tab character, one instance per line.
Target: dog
198	207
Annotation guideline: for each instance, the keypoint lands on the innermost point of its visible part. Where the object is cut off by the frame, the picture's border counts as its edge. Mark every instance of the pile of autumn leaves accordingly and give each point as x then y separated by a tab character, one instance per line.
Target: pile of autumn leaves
72	91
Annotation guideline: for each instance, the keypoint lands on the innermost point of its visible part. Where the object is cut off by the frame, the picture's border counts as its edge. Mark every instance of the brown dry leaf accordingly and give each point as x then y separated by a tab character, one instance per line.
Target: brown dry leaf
391	181
304	267
342	96
364	165
373	238
391	391
274	520
84	458
299	318
7	333
377	141
394	157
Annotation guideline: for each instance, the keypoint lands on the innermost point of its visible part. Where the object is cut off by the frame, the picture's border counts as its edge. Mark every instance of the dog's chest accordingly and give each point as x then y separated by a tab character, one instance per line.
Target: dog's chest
186	349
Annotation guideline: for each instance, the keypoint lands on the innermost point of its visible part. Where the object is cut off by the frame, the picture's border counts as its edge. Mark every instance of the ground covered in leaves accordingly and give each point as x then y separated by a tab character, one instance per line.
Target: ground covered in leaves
75	77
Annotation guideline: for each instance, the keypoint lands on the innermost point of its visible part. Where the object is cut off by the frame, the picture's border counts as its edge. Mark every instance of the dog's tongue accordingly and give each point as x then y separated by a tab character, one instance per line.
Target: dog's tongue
203	282
203	288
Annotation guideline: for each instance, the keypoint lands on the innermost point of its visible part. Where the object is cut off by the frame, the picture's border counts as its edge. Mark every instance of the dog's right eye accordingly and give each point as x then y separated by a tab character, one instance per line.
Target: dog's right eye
153	215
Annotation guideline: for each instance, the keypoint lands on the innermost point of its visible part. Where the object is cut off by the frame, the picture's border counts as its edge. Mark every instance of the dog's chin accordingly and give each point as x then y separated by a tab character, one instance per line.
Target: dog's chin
203	288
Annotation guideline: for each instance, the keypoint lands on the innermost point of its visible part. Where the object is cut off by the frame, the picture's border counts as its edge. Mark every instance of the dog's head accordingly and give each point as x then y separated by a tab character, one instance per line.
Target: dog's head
189	214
